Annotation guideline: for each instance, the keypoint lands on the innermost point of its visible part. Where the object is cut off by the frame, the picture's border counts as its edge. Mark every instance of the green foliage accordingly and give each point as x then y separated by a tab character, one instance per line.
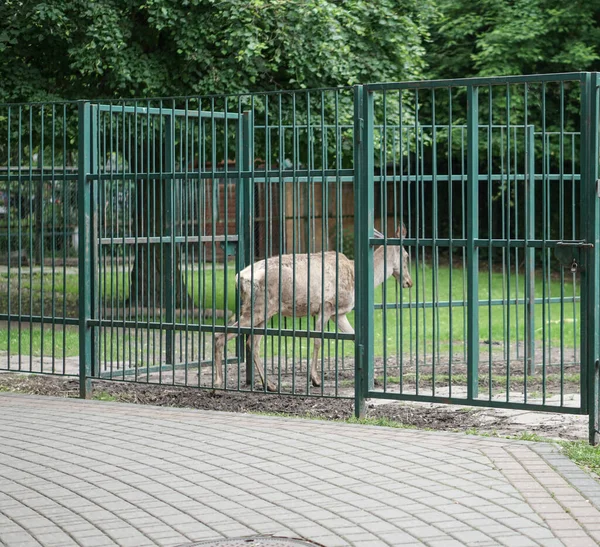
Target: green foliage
501	37
72	49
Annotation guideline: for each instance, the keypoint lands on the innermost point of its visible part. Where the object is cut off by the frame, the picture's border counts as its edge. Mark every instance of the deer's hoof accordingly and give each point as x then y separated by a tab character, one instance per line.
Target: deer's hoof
271	387
315	382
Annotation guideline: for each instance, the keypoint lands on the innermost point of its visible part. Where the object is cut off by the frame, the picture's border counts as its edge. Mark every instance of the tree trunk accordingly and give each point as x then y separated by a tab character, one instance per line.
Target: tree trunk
156	274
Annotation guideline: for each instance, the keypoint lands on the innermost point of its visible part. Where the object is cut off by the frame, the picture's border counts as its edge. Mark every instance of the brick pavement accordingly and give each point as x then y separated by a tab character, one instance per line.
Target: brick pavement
95	474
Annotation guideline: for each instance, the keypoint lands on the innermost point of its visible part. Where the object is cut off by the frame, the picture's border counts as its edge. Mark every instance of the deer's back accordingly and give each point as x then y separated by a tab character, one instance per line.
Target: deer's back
288	283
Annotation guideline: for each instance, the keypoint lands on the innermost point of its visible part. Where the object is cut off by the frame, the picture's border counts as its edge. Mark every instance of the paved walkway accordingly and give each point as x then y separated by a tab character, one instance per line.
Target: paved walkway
94	474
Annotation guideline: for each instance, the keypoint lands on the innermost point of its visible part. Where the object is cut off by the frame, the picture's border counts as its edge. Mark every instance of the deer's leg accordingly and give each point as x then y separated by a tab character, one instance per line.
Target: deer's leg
322	320
254	346
343	324
220	341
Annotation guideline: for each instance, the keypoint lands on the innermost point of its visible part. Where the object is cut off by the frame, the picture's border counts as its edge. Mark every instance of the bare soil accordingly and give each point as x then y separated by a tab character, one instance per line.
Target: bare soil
421	415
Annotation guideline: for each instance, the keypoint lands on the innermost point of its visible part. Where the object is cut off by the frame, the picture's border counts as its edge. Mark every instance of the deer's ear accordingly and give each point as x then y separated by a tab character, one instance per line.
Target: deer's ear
401	231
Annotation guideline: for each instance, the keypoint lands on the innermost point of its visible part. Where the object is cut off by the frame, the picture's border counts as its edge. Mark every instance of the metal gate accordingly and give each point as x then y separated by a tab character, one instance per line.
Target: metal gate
181	195
497	182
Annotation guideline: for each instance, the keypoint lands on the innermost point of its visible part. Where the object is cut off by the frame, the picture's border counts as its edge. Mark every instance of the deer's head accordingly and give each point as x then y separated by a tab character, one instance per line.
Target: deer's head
398	260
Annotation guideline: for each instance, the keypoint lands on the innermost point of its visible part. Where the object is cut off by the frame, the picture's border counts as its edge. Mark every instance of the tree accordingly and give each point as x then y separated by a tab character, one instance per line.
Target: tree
519	37
73	49
503	37
102	49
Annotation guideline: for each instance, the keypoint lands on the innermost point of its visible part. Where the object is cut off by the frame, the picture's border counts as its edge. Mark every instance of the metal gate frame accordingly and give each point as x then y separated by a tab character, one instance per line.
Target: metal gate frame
90	178
586	251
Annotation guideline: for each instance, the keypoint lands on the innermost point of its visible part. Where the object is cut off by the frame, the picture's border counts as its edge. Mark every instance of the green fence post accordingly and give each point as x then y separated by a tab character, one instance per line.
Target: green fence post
590	229
530	252
85	266
94	196
363	251
244	226
472	235
171	280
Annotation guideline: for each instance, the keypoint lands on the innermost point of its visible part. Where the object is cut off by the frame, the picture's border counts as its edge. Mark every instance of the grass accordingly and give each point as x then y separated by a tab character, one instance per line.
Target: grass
583	454
33	341
416	331
103	396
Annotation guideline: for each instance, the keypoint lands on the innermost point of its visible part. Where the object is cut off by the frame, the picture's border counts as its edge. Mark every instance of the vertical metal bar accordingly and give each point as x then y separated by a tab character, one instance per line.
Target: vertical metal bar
171	281
324	213
363	207
9	153
435	316
309	232
20	234
38	253
450	241
85	262
419	250
590	227
490	169
384	229
530	251
508	235
94	191
40	233
561	235
281	222
53	227
65	216
30	205
244	221
472	234
339	228
295	228
111	197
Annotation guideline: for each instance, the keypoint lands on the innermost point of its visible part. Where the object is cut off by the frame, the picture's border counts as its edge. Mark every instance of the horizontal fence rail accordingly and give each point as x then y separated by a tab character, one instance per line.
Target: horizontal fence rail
432	241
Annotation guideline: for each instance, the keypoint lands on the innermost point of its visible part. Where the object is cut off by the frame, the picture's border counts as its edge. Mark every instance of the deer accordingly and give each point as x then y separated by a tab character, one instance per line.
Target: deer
327	294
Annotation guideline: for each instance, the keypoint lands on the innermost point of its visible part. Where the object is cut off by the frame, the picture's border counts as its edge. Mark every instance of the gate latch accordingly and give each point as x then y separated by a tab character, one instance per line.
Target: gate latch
574	266
572	254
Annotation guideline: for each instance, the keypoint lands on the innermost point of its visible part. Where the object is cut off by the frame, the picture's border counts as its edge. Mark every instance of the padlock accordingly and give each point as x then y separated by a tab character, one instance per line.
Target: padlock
574	266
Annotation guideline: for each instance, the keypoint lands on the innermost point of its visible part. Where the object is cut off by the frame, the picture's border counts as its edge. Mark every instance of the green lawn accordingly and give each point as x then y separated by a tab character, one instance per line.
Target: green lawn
411	329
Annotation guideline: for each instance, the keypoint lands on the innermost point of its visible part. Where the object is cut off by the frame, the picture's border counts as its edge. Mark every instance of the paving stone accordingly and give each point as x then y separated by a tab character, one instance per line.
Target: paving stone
143	475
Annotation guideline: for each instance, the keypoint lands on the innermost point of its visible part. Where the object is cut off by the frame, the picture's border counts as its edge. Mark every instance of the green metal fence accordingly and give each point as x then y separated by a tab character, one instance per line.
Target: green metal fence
206	187
38	238
184	241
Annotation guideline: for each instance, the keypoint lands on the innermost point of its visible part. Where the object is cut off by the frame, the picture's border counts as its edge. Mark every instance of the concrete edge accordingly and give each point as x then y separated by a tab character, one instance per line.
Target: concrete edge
579	478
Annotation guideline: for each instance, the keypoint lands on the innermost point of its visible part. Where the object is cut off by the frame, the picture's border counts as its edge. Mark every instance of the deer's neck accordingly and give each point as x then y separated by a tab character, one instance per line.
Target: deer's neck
382	268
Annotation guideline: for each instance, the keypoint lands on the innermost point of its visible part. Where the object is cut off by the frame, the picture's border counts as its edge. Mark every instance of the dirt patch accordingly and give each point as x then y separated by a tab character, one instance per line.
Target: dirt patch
421	415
